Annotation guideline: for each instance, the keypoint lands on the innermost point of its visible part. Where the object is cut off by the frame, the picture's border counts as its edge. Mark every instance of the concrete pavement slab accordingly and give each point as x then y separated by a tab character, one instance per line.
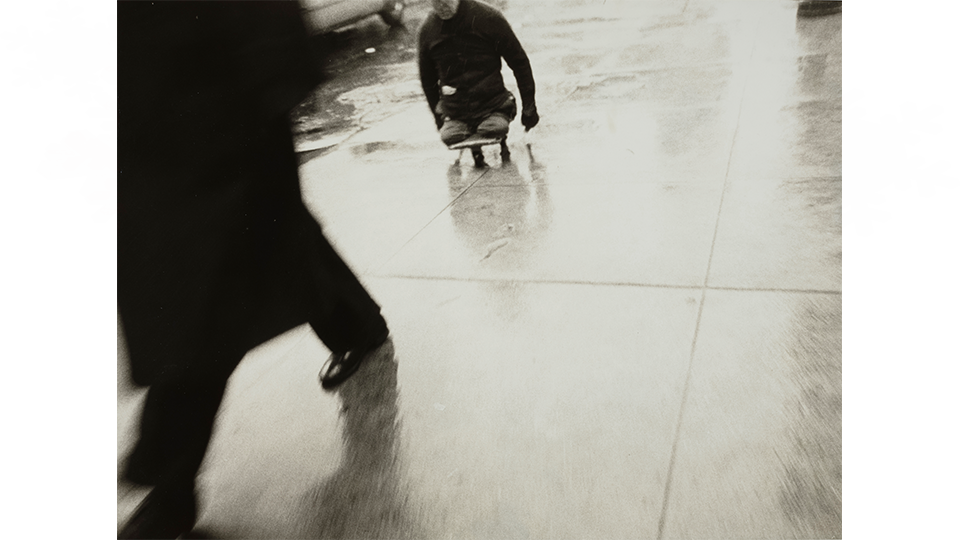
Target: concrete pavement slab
620	142
504	428
779	234
517	430
277	433
759	445
547	232
801	140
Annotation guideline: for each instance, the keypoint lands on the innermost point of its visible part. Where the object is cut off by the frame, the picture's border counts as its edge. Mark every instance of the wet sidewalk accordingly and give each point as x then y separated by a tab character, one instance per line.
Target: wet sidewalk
630	330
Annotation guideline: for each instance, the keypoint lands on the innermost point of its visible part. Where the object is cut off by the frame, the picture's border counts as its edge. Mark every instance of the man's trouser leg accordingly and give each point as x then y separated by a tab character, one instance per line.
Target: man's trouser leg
342	312
175	429
494	126
454	131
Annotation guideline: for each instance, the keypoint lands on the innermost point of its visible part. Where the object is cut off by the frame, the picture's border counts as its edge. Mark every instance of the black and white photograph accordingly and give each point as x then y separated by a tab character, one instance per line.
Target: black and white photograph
476	269
479	269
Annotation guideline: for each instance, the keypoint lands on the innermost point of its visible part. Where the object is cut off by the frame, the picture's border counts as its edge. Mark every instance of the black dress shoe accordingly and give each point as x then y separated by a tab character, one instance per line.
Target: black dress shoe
164	513
815	8
339	367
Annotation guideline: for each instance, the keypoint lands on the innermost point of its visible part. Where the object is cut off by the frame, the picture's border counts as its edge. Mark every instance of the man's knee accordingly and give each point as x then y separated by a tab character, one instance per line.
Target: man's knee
495	125
453	131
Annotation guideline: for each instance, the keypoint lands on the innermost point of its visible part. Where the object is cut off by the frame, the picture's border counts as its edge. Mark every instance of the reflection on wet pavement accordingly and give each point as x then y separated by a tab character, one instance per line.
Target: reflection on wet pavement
505	208
371	71
365	497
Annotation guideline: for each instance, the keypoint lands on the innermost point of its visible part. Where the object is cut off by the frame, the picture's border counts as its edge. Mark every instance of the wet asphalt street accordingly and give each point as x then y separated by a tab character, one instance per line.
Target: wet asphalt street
630	330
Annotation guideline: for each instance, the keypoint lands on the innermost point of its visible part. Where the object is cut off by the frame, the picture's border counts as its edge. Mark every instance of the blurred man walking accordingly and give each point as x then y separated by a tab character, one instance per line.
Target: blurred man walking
216	251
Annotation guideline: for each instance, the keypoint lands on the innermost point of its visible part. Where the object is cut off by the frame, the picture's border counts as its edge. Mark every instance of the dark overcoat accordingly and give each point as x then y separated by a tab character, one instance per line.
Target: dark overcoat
216	250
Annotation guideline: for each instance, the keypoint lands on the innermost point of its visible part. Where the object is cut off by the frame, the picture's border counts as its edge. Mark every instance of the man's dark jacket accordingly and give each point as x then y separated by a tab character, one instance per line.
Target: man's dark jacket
216	250
464	53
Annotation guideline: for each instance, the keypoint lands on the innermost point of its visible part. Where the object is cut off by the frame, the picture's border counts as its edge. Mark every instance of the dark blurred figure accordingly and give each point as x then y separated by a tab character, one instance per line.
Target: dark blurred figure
816	8
216	251
461	44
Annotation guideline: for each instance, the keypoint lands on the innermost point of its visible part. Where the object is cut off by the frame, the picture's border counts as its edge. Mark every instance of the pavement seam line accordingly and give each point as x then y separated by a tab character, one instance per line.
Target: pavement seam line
427	224
598	283
703	296
676	435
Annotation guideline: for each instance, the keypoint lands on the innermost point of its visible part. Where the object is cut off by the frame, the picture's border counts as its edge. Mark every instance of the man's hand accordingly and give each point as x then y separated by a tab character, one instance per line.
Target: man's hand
529	117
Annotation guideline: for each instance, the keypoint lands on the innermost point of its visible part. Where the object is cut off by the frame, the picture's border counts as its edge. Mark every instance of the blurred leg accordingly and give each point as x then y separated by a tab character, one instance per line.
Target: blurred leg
175	430
341	313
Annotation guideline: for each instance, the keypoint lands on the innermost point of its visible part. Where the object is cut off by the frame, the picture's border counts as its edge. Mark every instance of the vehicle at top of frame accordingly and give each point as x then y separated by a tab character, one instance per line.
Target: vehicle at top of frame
326	15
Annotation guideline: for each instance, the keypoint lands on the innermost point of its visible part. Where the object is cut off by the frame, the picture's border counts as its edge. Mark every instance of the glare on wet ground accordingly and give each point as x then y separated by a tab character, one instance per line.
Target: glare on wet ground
631	330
